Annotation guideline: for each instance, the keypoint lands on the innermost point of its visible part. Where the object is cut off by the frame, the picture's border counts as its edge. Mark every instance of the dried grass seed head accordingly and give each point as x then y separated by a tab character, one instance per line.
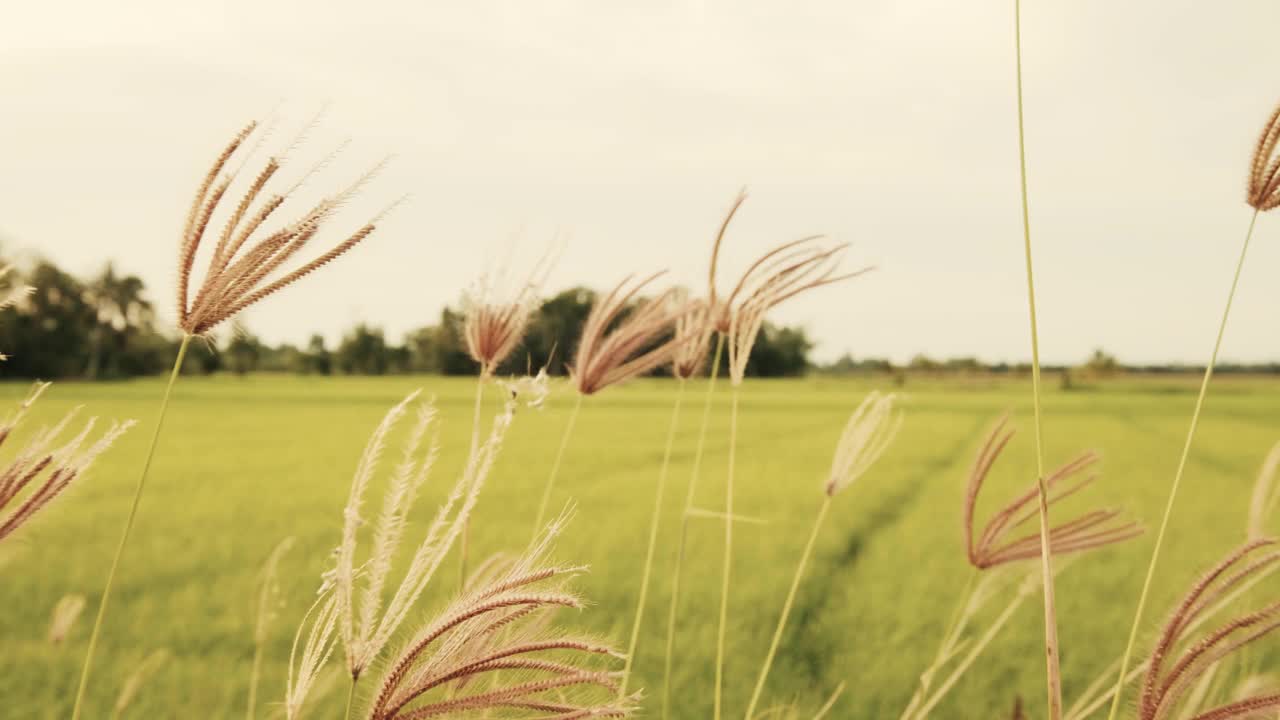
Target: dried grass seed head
1178	659
994	546
615	349
494	649
496	312
64	617
778	275
693	331
246	263
47	464
870	429
1264	171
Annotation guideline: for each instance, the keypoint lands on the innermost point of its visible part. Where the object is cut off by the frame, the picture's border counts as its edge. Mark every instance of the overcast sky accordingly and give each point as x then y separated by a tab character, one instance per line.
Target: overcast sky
628	128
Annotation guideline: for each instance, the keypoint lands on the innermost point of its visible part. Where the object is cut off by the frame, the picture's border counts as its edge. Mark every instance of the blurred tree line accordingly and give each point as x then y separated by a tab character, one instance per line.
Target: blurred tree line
105	327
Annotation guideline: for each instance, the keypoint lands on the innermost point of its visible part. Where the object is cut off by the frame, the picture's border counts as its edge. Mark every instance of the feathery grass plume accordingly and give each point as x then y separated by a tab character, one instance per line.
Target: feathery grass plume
617	346
693	331
497	626
43	469
364	626
530	390
269	602
320	626
620	341
246	265
870	429
495	314
1264	171
1263	195
1178	660
1266	494
993	546
142	672
779	274
64	616
11	295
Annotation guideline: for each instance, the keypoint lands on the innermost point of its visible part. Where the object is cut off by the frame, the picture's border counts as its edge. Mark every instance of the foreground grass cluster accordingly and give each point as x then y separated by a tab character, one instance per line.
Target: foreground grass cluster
248	463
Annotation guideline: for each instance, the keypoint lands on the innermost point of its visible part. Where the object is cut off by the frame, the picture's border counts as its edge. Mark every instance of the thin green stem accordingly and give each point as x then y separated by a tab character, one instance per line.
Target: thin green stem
1053	673
128	528
464	544
728	554
786	606
351	698
947	644
555	467
1177	476
673	611
653	540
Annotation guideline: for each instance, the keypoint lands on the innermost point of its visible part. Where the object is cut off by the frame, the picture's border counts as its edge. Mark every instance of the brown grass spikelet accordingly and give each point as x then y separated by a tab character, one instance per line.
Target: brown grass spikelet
615	348
778	275
1178	660
245	264
64	616
693	331
1264	171
993	546
498	630
44	467
495	315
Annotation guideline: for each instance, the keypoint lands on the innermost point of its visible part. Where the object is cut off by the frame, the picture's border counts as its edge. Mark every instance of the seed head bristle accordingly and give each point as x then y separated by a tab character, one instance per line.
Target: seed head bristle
243	261
1266	494
499	630
693	331
1171	672
611	353
1264	171
994	547
870	429
496	314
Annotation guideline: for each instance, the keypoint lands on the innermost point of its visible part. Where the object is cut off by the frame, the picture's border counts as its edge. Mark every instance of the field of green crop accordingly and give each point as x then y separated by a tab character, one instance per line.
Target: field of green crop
247	462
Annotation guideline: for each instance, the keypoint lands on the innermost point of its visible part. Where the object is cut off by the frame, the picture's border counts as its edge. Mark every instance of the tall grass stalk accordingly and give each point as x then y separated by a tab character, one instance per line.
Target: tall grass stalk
1053	673
555	466
674	611
128	528
1177	476
786	606
728	553
659	493
947	646
464	541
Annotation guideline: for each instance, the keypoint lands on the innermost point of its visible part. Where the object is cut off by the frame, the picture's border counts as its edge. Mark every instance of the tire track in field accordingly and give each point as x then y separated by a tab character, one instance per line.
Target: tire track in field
809	647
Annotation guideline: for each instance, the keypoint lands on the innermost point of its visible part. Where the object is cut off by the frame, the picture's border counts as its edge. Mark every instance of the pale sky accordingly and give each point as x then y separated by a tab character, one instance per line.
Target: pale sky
629	127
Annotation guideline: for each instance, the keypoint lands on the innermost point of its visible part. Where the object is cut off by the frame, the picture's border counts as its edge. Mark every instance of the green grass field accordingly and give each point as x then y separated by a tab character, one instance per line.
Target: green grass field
247	462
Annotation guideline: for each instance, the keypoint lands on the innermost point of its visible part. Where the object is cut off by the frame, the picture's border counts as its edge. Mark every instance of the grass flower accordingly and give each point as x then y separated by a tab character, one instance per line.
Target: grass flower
994	545
622	338
1178	659
247	264
47	464
1263	195
142	672
65	614
269	602
364	625
495	316
870	429
693	331
498	625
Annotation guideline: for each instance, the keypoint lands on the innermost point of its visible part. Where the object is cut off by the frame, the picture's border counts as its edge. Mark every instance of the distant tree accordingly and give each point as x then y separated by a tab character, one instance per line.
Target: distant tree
244	352
122	312
555	326
46	335
924	363
363	351
1100	364
317	360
